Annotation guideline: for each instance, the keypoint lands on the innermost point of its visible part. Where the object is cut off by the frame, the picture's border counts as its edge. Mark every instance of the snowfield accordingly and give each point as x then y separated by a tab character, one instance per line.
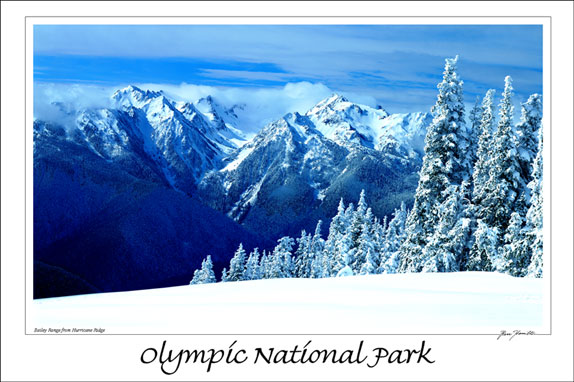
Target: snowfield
465	302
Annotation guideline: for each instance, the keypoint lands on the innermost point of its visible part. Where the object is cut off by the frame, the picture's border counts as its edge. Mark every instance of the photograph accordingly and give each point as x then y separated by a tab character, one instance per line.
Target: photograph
288	179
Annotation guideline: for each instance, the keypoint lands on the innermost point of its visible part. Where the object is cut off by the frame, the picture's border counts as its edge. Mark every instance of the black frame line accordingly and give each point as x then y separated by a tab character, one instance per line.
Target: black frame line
275	17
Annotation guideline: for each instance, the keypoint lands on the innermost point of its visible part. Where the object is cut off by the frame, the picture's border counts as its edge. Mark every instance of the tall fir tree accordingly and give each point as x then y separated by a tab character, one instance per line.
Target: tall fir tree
366	248
357	219
515	255
527	134
394	236
344	253
317	242
448	246
237	265
345	249
365	242
321	266
282	265
504	184
204	275
484	251
474	116
224	277
303	255
534	234
500	194
264	266
208	271
197	277
252	271
378	232
370	265
337	251
483	152
444	164
336	228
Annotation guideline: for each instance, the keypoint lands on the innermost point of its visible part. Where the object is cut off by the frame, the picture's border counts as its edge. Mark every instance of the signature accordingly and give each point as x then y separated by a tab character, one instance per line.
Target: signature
513	333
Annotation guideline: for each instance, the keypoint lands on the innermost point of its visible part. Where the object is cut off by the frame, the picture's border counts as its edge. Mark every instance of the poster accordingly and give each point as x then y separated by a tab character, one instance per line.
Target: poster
255	81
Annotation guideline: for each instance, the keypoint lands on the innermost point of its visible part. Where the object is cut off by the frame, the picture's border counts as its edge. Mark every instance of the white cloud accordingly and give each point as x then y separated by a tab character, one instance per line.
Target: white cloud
262	105
54	102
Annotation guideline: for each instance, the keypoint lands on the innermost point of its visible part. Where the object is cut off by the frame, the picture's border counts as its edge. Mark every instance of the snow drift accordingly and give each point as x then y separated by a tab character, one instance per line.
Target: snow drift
463	302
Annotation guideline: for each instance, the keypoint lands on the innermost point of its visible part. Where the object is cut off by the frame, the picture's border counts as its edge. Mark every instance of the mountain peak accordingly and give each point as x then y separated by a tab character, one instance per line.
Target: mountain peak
382	109
333	100
136	93
131	88
337	98
206	101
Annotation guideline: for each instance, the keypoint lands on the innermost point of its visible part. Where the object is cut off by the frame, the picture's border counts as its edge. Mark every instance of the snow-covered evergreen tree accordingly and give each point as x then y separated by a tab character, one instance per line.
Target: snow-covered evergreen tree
515	255
365	241
344	253
378	232
204	275
348	216
444	164
252	271
500	195
321	266
505	183
208	271
357	220
275	270
527	134
303	255
394	237
345	249
224	277
237	265
336	229
337	251
317	267
474	116
370	265
198	277
366	248
480	173
484	251
264	272
281	265
448	246
317	246
534	218
317	242
499	199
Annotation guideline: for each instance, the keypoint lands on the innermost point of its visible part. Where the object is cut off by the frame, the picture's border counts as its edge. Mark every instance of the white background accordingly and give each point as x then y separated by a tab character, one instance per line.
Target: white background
117	357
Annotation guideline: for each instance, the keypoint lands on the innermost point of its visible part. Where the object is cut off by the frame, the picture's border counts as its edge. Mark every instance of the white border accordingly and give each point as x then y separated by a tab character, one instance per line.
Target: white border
117	358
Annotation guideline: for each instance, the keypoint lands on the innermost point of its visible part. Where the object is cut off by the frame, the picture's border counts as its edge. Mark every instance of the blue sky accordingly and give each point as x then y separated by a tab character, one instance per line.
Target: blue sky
397	66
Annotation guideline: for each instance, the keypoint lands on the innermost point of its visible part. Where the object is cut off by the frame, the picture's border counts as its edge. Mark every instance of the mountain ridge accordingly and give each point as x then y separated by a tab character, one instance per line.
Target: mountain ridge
146	156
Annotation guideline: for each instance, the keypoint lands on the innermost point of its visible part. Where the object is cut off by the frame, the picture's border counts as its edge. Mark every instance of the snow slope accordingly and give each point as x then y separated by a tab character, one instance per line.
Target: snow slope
469	302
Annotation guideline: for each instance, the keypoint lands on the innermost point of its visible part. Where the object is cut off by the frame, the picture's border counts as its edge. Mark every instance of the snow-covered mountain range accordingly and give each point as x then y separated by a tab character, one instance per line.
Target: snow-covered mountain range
110	163
295	170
